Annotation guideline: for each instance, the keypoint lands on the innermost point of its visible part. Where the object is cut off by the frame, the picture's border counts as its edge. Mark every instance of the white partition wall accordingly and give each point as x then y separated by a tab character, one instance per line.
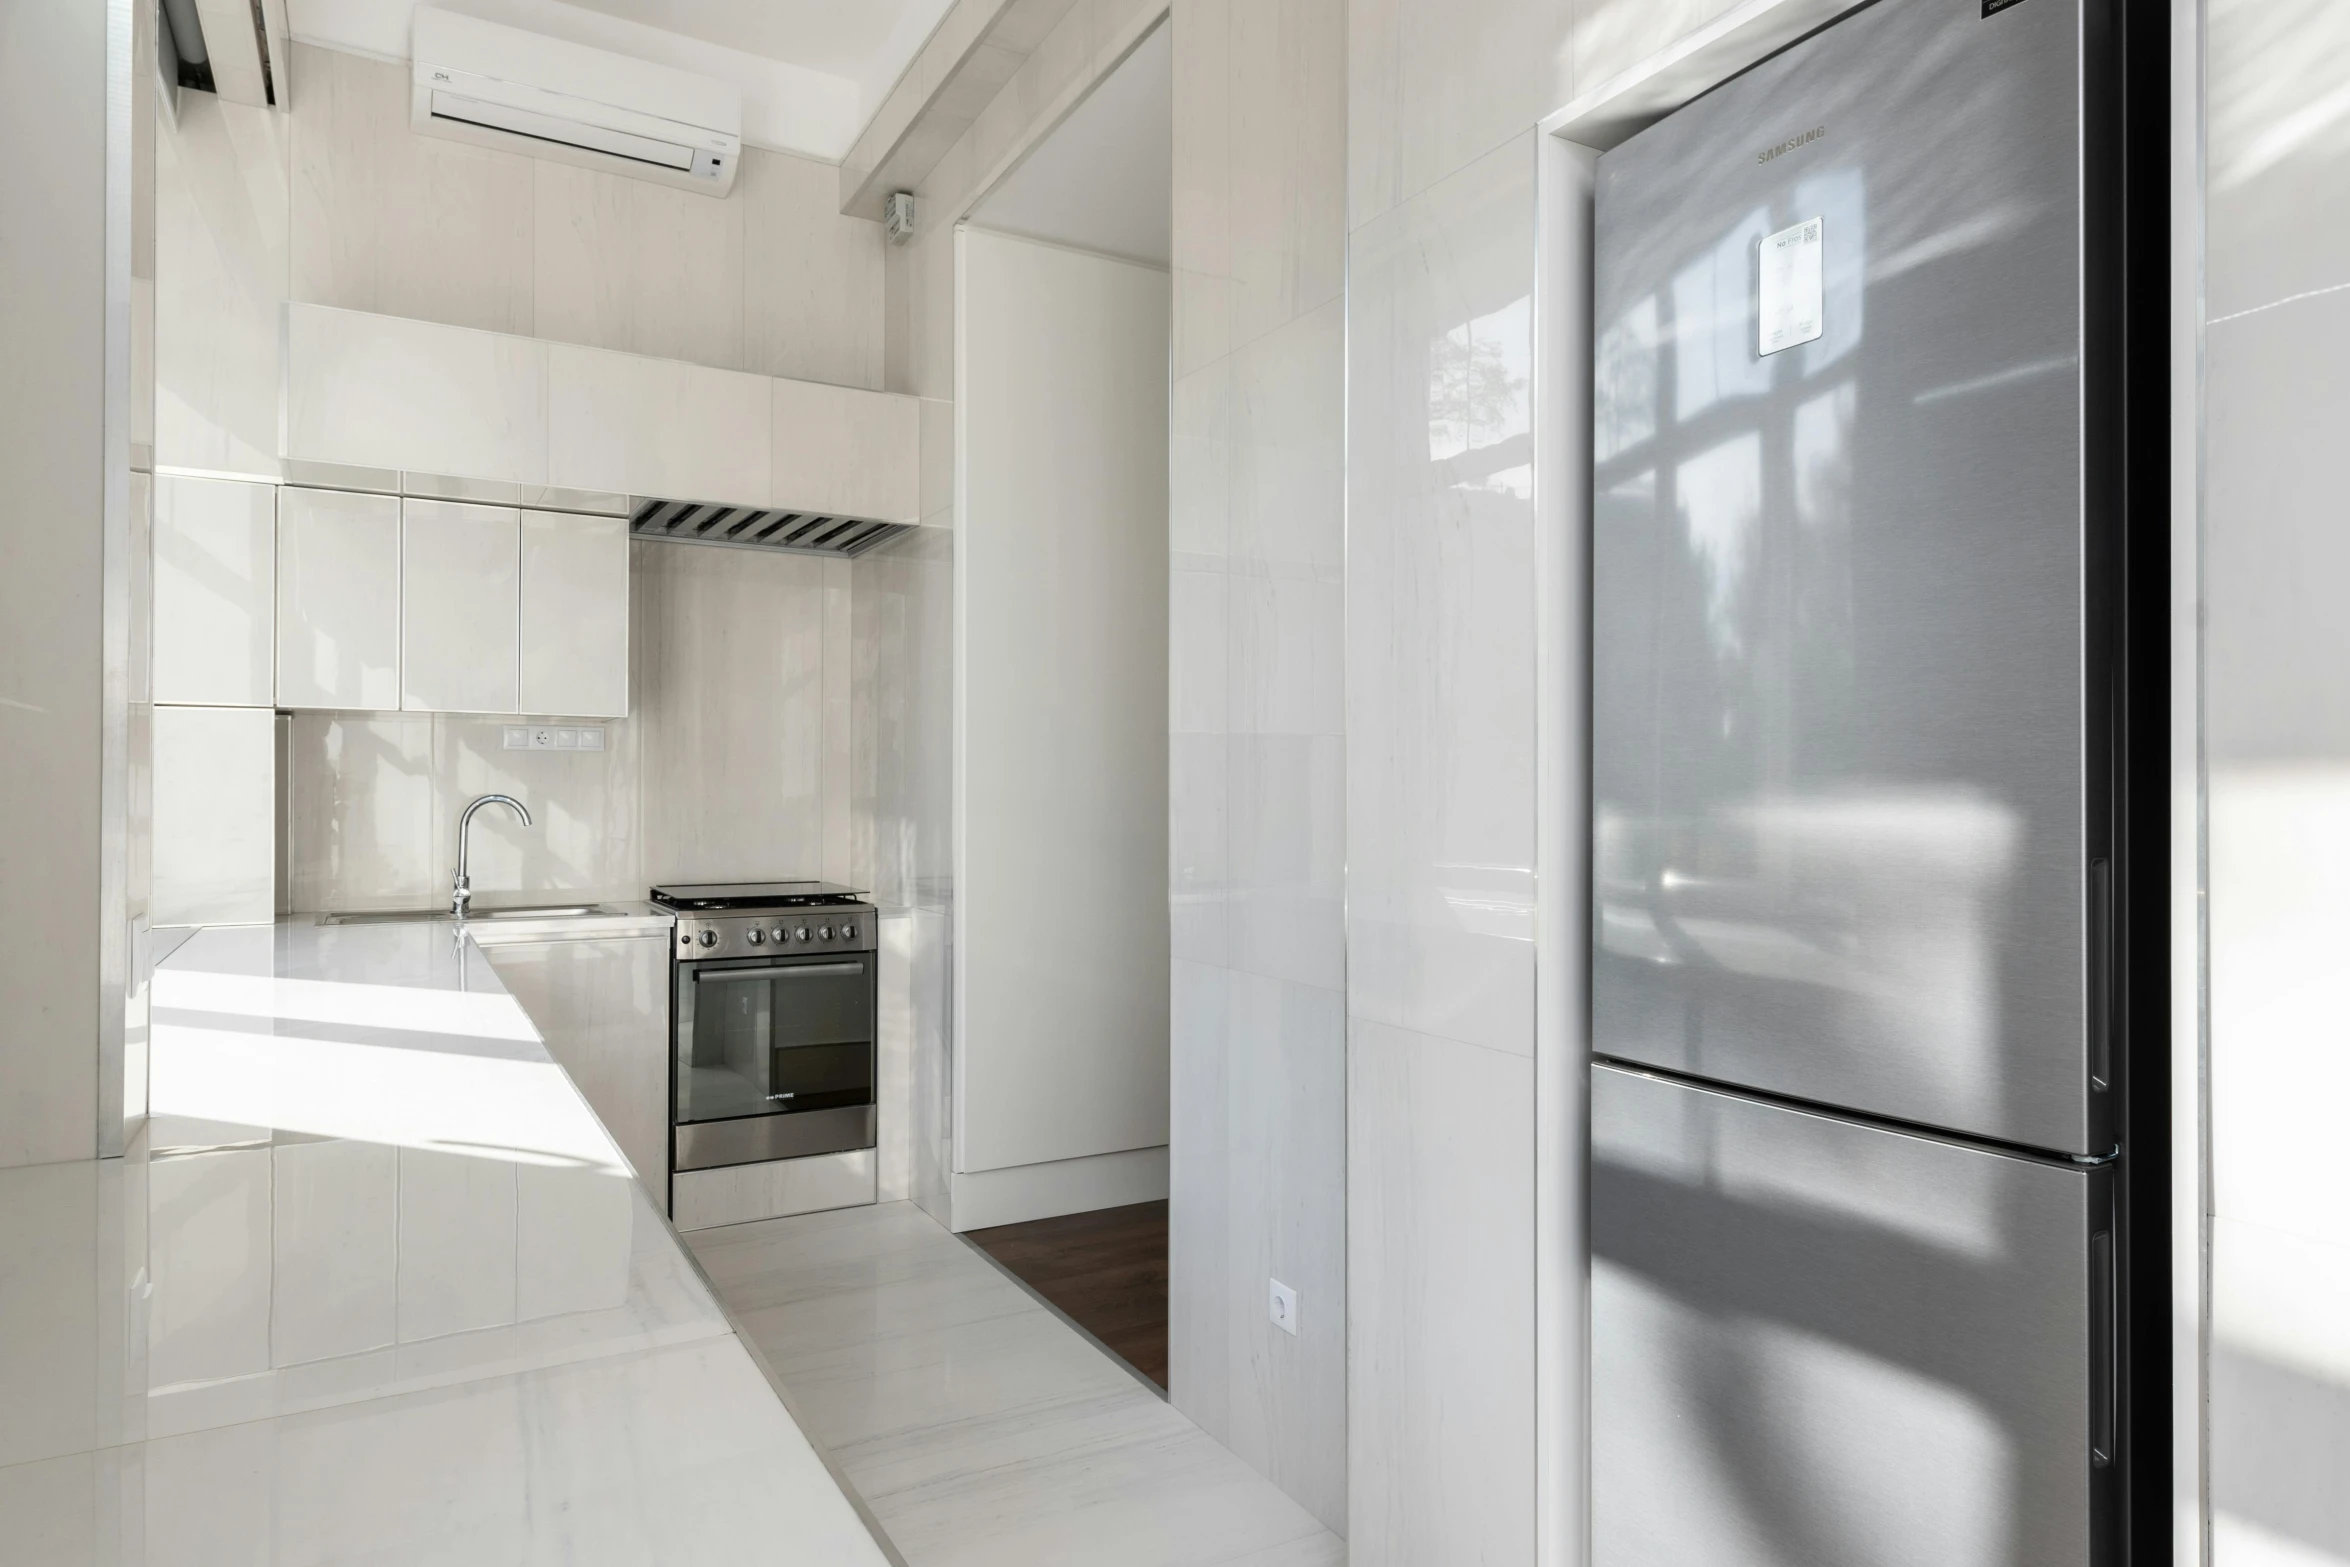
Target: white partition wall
1060	732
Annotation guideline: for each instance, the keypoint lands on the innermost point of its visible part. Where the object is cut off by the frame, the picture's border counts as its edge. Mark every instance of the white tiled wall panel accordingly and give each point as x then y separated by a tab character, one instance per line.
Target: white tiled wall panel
2277	745
574	625
338	599
1257	680
215	587
220	283
460	569
215	813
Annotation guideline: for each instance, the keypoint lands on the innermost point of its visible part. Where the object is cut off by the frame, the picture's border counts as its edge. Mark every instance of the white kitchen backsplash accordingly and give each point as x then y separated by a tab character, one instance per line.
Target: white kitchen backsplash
372	800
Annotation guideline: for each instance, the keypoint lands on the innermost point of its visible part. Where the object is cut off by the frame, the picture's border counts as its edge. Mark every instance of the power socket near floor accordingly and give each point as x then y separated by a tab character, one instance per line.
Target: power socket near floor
1284	1308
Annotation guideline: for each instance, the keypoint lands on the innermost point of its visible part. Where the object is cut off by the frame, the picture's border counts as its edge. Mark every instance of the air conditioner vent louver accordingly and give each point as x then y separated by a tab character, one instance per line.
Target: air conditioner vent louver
763	528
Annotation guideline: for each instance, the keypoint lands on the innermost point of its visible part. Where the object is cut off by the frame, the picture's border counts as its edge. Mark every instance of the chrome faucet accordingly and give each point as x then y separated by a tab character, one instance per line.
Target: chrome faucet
461	895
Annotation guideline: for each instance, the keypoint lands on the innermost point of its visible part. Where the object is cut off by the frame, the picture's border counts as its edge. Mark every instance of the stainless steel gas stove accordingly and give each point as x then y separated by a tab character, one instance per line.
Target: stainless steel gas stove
766	918
772	1003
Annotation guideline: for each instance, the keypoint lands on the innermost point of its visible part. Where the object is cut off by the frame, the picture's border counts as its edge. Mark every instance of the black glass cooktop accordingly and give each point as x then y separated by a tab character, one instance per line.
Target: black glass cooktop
752	894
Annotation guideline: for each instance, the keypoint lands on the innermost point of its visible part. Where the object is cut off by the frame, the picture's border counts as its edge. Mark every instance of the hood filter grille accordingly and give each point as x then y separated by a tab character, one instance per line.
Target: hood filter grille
751	527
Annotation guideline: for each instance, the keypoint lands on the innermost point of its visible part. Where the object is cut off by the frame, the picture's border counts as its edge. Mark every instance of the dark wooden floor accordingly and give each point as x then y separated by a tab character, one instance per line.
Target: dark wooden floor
1106	1269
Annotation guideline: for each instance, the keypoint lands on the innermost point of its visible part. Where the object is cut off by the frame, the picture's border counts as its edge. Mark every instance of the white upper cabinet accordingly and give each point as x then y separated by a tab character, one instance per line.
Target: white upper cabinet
633	426
215	587
400	396
574	615
846	452
460	570
386	392
338	600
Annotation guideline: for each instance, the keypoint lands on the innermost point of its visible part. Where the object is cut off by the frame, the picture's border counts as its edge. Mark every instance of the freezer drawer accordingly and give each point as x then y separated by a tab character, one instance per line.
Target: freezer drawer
1818	1343
1845	764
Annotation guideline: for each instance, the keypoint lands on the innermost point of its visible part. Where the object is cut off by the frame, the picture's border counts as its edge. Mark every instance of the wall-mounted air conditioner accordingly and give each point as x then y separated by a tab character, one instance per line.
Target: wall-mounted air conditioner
501	87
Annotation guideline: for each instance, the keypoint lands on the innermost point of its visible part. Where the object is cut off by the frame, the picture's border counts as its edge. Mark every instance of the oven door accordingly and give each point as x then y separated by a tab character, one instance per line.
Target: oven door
775	1058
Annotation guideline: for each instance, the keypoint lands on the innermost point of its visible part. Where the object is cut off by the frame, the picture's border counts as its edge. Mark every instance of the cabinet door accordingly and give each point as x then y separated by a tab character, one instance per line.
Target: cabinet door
215	586
602	1006
574	615
338	600
459	571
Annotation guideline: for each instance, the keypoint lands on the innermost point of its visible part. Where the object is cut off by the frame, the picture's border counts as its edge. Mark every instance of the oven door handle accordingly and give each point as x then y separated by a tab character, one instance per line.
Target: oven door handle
794	972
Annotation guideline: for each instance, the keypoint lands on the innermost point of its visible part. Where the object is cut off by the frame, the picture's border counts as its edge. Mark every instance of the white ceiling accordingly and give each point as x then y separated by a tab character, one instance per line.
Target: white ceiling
811	72
1105	180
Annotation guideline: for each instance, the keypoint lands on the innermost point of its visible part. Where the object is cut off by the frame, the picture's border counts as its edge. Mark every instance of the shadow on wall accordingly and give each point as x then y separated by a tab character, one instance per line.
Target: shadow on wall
2280	1463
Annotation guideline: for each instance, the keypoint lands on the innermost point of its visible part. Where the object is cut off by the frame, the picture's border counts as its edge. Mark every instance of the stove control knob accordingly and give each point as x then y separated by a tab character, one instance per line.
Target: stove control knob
848	933
754	935
801	933
824	933
777	935
709	938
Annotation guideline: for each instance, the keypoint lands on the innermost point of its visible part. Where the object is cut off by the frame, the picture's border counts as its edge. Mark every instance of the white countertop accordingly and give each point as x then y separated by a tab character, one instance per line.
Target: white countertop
375	1285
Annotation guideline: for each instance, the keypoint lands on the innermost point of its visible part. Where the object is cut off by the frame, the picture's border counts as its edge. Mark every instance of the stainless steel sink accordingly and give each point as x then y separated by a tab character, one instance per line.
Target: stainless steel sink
383	916
542	911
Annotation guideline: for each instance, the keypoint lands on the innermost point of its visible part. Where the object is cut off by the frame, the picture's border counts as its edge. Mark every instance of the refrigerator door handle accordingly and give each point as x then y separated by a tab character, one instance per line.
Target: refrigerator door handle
2100	965
2104	1350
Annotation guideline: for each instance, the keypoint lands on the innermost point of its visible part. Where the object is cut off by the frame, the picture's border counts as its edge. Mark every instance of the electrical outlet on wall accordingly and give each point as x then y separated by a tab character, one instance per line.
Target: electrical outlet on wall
1284	1308
554	737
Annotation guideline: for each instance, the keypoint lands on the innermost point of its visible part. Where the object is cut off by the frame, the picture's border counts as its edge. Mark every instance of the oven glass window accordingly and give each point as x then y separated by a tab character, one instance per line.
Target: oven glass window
773	1040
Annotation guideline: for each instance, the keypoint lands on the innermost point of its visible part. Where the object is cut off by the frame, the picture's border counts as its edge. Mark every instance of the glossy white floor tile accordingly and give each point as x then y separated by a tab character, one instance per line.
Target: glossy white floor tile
979	1427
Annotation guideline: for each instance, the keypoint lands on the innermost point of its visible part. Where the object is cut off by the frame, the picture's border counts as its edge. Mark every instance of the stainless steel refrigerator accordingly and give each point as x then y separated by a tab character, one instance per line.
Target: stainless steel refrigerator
1856	1137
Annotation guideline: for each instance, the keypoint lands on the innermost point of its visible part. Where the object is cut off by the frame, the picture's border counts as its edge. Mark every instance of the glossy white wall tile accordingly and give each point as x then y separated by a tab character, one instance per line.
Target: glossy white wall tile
1285	1113
215	592
635	426
1440	611
584	836
373	800
574	615
460	571
1257	713
1201	333
361	811
729	655
386	220
1440	1281
635	266
1288	106
221	172
812	277
1437	86
215	815
338	599
1440	759
2277	748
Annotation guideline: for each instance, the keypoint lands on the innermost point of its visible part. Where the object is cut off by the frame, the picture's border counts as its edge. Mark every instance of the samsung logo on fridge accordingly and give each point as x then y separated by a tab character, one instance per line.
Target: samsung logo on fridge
1791	143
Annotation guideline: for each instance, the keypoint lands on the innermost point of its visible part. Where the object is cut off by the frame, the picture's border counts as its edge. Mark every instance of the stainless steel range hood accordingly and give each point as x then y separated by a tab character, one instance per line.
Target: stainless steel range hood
762	528
649	517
